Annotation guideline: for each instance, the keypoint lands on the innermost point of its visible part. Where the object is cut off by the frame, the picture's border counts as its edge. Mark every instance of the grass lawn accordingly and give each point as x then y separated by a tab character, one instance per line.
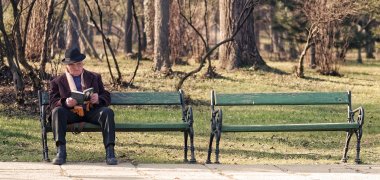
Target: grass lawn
20	133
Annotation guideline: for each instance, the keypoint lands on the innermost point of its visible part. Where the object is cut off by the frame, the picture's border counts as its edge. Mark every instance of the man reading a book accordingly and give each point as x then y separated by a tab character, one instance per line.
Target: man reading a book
68	110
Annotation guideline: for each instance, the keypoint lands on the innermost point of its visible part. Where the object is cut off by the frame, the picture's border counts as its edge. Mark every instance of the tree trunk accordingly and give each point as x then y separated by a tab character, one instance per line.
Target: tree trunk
370	49
313	62
242	51
161	36
20	50
44	54
72	37
149	25
18	81
257	34
128	25
293	53
176	33
83	32
359	60
108	16
1	54
143	35
300	68
34	31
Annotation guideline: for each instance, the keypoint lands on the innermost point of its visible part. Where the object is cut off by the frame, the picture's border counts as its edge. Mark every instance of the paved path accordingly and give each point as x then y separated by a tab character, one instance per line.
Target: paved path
71	170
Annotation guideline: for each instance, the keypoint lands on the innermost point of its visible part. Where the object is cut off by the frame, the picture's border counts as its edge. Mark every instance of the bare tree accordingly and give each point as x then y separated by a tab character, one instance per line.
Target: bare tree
18	81
324	19
161	37
33	29
128	27
204	37
82	31
139	56
20	50
58	31
245	13
176	32
44	54
149	25
72	37
300	70
106	43
242	51
276	39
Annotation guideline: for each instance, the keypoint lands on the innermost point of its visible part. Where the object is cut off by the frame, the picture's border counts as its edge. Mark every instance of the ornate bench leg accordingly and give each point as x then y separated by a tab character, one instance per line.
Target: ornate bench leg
208	161
219	121
192	149
218	135
190	132
359	134
345	150
45	148
185	134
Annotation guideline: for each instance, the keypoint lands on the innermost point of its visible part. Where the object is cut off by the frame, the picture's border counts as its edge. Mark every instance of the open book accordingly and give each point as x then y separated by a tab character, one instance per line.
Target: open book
81	97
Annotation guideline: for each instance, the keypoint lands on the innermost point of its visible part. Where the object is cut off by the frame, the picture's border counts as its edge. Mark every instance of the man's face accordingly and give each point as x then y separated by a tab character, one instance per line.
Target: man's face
75	69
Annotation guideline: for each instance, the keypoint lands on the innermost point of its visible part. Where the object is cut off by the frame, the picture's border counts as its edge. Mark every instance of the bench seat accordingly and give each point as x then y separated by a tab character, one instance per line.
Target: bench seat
290	127
350	125
131	127
125	99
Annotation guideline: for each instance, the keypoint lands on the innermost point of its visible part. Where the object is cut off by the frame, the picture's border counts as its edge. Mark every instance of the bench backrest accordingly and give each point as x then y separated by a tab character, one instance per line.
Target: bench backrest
297	98
135	98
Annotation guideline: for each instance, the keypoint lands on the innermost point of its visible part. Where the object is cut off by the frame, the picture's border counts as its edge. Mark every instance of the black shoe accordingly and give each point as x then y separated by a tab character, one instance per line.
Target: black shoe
61	155
110	155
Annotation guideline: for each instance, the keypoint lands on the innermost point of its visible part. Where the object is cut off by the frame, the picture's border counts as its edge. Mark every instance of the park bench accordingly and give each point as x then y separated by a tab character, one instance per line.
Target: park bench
176	99
303	98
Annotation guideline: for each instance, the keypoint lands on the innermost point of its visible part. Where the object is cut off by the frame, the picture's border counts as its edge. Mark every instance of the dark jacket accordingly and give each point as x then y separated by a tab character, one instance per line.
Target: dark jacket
60	89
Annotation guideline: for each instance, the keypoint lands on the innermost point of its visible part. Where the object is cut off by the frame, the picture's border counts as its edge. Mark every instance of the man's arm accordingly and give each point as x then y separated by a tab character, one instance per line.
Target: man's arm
56	99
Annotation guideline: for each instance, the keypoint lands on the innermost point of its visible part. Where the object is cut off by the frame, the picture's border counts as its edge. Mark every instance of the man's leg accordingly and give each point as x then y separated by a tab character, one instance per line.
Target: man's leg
104	117
60	118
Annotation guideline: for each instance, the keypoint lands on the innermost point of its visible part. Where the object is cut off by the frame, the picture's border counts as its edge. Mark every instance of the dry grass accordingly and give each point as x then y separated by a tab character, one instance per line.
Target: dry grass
17	144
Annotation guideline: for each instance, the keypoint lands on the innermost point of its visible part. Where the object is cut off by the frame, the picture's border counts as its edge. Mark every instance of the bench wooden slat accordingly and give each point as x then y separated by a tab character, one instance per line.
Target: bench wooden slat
308	98
135	98
290	127
135	127
144	98
184	124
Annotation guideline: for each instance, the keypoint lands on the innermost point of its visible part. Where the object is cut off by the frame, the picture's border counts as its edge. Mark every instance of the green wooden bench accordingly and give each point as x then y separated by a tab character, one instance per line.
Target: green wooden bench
184	125
303	98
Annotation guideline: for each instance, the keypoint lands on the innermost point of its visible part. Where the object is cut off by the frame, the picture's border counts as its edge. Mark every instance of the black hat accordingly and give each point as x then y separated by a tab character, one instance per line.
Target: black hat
73	56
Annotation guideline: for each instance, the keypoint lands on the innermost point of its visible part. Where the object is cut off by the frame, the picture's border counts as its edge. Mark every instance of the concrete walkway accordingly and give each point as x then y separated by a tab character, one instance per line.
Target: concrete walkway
72	170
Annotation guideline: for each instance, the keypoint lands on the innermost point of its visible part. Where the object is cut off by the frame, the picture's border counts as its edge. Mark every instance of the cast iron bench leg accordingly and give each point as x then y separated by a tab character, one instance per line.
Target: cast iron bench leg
359	134
345	150
45	149
218	135
192	160
208	161
185	134
219	121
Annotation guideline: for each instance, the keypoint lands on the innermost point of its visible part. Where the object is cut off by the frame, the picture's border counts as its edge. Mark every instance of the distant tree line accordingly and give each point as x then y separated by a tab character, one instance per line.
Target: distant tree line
35	33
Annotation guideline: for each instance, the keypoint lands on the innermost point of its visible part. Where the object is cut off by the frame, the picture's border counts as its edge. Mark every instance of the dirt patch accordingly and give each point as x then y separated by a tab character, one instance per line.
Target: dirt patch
9	107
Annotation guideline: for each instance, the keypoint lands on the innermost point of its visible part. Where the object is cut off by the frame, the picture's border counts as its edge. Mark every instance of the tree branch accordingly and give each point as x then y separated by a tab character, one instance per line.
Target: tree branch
247	11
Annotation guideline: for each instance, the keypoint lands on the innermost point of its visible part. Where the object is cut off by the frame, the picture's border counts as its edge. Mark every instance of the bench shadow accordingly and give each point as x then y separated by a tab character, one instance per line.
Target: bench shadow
273	70
243	152
6	133
276	155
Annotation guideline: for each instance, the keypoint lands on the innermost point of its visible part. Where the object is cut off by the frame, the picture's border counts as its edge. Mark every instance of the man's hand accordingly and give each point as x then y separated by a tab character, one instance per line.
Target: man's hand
94	98
71	102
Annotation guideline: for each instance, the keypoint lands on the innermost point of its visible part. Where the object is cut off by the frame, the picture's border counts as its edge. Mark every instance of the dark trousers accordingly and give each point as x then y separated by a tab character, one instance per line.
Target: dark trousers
102	116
